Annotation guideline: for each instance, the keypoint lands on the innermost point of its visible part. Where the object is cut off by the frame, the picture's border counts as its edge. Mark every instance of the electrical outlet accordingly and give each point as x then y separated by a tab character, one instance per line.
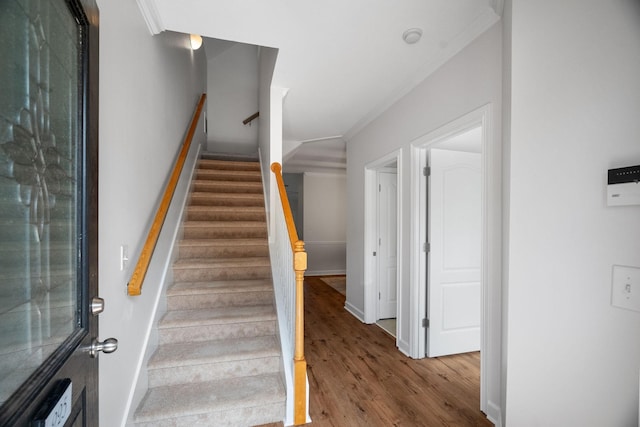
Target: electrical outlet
625	287
124	256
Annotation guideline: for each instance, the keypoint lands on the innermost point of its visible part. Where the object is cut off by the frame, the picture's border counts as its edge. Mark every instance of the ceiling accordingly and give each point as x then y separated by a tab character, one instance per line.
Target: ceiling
343	62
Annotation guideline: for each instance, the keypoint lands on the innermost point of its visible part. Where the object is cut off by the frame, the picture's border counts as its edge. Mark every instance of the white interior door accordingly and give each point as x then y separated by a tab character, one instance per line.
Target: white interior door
387	245
454	228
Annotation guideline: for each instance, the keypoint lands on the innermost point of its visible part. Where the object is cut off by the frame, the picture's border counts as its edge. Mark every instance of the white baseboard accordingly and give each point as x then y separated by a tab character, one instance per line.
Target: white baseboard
494	414
357	313
325	272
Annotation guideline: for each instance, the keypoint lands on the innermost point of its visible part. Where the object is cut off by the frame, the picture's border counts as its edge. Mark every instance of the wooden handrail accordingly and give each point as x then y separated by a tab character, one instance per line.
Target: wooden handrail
299	266
134	287
251	118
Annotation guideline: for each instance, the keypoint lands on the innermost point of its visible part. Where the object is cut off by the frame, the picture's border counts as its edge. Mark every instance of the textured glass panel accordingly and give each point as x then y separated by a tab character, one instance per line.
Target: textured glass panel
38	184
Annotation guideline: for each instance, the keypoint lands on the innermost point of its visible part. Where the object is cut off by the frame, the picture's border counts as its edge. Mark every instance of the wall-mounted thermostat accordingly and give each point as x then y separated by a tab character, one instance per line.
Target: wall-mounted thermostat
623	187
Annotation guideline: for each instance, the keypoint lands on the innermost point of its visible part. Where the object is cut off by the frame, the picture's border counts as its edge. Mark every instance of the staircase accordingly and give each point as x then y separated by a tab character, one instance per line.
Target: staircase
218	360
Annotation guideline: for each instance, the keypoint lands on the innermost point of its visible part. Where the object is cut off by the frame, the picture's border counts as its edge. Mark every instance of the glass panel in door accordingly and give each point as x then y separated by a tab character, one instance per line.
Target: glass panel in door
39	185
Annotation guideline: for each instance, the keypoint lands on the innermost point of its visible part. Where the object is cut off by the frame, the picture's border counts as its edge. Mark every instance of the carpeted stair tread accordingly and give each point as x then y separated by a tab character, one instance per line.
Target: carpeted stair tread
222	263
224	224
219	286
227	186
217	316
187	400
228	165
198	353
227	213
223	242
222	248
229	175
226	199
224	230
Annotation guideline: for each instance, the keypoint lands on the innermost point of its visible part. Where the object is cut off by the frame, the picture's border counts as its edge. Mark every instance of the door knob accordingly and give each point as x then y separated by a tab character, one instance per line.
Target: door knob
107	346
97	306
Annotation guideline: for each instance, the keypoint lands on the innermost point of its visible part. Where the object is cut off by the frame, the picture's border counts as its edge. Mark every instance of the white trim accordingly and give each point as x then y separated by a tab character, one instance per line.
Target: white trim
151	16
494	414
310	273
479	117
355	311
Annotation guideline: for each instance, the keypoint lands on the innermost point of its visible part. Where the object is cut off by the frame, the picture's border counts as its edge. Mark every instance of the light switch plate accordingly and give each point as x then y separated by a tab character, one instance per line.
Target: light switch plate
625	287
124	256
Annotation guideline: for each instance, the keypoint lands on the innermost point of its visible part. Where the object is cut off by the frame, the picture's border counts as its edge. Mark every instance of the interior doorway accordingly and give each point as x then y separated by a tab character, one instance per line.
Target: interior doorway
387	254
479	120
382	239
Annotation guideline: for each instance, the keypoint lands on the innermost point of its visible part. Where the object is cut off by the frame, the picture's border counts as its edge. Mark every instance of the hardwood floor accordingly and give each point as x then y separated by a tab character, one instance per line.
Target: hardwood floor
357	377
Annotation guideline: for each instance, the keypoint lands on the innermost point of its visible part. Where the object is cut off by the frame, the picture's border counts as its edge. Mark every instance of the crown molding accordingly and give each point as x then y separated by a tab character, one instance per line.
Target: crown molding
151	16
481	24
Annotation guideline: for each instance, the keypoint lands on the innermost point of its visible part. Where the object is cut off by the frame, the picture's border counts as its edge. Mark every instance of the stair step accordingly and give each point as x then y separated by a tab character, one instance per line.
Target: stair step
203	270
230	293
225	213
228	165
224	229
217	323
213	360
222	248
227	186
226	199
229	175
228	402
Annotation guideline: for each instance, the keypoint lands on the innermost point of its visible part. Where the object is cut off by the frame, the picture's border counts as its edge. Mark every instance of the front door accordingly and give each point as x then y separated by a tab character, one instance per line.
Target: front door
48	212
454	218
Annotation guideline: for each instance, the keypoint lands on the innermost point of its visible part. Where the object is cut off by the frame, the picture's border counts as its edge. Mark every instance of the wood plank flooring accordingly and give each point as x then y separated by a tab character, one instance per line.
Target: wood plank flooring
357	377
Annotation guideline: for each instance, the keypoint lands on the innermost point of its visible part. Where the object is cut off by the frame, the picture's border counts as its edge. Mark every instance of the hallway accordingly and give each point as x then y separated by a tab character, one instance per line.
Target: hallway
357	377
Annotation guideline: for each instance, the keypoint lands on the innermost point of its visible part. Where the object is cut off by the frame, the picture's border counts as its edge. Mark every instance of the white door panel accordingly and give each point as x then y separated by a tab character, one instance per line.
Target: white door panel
453	301
387	245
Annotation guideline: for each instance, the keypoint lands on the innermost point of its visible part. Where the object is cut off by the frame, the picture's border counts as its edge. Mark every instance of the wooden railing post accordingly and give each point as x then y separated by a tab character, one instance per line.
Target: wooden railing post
299	362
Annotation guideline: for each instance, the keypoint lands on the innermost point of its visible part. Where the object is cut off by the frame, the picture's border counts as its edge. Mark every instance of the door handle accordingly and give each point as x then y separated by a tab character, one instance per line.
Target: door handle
107	346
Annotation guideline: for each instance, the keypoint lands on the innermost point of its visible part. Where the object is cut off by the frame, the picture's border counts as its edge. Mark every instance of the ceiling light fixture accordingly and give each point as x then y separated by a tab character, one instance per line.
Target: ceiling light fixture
412	35
196	41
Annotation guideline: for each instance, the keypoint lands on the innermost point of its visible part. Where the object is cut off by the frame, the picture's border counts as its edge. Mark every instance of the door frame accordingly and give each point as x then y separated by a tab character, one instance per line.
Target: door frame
370	233
490	310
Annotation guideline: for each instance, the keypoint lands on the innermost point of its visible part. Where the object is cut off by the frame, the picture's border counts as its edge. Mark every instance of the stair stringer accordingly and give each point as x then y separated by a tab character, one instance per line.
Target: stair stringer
160	276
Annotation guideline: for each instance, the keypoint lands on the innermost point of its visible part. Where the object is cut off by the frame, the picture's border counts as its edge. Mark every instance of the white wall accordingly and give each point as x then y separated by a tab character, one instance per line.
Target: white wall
573	359
325	224
270	101
468	81
149	87
232	90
